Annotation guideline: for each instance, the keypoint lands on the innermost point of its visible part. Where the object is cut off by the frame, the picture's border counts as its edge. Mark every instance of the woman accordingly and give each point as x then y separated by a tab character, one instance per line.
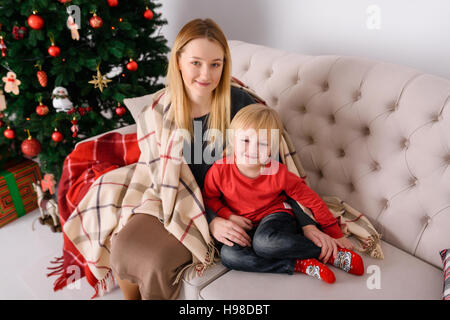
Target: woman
145	257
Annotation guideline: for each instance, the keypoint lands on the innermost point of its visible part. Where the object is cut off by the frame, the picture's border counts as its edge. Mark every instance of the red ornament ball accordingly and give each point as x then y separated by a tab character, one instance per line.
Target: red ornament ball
95	21
148	14
35	22
113	3
31	147
42	109
57	136
54	51
9	133
132	65
120	111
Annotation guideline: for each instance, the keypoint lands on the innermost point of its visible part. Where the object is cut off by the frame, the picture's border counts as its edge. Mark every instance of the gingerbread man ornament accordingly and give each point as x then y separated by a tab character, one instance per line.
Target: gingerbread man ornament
11	83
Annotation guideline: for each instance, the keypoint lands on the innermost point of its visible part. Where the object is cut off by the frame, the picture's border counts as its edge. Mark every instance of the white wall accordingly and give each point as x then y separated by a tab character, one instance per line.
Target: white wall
415	33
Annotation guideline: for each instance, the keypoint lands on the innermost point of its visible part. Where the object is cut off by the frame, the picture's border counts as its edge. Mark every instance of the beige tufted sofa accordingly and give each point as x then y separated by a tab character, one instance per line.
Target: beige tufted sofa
375	134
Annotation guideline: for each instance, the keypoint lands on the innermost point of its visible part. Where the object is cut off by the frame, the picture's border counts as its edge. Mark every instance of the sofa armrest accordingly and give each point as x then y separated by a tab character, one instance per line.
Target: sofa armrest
123	130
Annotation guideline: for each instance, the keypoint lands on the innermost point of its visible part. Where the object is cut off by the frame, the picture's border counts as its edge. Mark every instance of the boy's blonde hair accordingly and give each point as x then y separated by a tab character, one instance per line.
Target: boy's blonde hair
256	116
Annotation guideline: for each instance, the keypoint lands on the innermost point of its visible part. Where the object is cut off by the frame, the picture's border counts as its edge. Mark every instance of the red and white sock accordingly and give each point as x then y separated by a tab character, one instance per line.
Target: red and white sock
315	269
348	261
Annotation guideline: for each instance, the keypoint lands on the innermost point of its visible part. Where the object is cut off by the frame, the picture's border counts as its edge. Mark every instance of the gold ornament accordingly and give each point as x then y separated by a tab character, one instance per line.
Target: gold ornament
99	81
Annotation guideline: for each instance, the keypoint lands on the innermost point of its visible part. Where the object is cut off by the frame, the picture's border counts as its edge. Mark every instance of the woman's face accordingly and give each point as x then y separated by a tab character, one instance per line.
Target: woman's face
201	64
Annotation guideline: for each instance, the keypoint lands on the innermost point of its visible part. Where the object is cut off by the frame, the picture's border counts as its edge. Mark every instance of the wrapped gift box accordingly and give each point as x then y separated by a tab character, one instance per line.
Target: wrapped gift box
17	196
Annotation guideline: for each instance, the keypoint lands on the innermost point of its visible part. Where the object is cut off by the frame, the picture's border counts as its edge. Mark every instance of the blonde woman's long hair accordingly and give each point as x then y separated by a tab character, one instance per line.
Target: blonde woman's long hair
180	110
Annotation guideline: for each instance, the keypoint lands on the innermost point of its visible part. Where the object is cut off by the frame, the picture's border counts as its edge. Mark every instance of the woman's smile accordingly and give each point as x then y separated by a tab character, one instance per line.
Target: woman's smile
202	84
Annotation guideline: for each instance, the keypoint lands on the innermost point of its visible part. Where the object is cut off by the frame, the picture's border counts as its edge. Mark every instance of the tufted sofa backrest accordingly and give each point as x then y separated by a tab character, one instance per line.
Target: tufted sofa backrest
375	134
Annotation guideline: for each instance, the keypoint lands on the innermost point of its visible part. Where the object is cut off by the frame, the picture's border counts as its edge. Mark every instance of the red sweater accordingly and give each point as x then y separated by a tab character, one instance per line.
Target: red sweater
227	191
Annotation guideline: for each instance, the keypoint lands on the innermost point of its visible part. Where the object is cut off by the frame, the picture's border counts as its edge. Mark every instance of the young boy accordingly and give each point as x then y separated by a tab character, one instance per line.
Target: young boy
250	188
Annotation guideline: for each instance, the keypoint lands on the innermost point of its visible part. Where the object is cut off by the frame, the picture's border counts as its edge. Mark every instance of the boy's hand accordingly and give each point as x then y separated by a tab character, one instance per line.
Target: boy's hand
322	240
243	222
344	243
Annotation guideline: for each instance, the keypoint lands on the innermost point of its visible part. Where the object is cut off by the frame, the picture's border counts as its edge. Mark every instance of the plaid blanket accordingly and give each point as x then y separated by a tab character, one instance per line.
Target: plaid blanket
151	176
86	163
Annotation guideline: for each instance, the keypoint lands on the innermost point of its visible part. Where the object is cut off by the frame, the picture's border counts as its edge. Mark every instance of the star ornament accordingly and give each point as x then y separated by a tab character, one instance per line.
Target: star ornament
100	81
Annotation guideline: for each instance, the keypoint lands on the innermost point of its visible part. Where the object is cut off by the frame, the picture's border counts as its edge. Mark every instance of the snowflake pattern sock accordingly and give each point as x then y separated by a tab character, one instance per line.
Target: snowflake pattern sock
316	269
348	261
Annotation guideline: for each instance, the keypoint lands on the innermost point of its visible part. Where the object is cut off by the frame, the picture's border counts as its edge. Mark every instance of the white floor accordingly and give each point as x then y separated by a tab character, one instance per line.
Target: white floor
24	257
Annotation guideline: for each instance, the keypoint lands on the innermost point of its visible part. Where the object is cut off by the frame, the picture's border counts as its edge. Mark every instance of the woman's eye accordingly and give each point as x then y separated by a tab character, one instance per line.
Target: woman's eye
195	63
216	65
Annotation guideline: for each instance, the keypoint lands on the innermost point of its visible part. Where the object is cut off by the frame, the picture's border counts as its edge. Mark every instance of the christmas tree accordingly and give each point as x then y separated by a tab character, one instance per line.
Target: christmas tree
66	67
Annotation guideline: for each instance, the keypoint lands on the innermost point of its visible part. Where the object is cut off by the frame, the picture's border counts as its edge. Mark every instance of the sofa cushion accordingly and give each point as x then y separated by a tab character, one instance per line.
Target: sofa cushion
135	105
445	255
399	276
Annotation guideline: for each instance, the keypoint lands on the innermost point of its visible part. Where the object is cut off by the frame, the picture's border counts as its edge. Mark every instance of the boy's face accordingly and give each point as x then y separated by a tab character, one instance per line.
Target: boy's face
252	147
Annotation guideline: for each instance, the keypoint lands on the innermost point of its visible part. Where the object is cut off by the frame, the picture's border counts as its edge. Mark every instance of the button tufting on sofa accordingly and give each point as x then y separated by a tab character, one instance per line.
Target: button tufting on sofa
357	96
303	109
447	159
341	153
332	118
385	204
405	143
351	187
394	107
320	173
366	131
414	181
325	86
376	166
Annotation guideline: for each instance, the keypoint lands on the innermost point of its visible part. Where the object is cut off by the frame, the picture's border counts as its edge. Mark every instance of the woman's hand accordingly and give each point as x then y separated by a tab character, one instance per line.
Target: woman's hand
322	240
229	232
344	243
